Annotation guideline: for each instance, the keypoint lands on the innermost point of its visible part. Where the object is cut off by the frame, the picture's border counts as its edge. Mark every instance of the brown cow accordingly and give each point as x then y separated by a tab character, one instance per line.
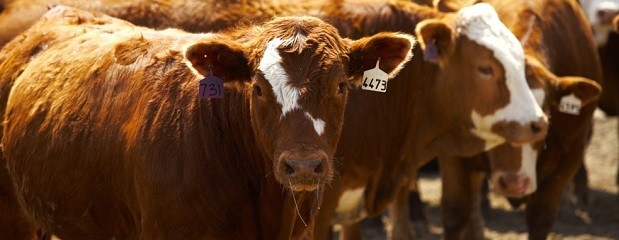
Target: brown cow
559	158
435	112
252	165
540	28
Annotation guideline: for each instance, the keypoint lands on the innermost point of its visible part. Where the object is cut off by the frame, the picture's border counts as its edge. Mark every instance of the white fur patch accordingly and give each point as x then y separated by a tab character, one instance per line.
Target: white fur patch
540	95
483	129
528	167
319	124
350	200
481	24
270	65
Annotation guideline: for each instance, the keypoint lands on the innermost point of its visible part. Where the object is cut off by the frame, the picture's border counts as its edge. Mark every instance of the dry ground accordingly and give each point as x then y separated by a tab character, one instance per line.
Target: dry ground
600	220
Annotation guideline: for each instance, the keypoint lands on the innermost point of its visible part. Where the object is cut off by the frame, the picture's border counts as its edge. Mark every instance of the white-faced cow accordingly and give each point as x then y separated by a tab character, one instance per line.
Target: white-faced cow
570	101
106	135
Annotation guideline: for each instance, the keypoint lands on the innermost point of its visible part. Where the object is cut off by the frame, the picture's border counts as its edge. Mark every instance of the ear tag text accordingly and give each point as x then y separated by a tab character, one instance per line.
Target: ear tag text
375	79
570	104
211	87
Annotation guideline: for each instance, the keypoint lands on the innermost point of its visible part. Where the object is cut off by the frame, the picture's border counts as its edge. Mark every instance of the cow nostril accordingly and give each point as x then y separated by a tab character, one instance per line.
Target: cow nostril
536	128
319	168
289	169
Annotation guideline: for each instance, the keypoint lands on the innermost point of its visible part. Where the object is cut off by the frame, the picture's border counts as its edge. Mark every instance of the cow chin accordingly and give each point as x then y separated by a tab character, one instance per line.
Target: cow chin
302	170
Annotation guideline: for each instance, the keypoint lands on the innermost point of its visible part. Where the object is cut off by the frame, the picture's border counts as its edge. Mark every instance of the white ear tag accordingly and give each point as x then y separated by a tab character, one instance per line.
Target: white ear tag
375	79
570	104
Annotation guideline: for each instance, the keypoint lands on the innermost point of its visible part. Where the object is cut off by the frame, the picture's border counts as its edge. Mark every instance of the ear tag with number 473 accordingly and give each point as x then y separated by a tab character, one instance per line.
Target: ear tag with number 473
570	104
211	87
375	79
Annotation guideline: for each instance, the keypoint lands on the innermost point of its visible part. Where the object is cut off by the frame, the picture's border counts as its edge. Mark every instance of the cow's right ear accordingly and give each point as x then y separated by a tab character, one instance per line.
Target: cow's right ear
437	39
223	58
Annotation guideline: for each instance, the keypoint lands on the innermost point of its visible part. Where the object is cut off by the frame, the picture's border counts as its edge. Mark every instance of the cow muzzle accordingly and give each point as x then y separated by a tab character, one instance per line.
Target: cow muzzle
303	170
512	184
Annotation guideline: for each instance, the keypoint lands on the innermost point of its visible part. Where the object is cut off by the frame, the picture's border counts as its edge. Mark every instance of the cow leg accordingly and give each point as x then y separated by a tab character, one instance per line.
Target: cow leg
581	188
351	231
15	223
460	200
402	225
542	206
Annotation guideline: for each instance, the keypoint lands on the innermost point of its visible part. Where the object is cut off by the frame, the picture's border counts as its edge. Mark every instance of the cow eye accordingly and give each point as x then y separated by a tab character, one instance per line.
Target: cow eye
257	90
341	87
486	70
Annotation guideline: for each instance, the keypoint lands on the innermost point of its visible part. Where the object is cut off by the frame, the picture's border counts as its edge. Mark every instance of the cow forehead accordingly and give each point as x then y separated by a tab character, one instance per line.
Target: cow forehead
286	92
481	24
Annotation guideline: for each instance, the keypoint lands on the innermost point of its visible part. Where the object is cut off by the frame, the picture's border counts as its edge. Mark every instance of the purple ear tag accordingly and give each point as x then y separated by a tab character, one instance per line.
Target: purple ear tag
211	87
431	52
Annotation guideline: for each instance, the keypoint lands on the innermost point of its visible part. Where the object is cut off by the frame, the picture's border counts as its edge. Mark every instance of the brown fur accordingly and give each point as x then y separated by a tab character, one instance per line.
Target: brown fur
119	145
425	101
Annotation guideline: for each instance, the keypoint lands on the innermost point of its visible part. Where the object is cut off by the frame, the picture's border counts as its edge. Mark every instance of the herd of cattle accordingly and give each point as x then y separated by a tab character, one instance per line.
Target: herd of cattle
106	134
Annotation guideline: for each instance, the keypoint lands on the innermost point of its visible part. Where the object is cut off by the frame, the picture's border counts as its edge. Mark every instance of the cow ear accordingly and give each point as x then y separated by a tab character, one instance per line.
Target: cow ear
392	49
588	91
222	58
616	23
437	39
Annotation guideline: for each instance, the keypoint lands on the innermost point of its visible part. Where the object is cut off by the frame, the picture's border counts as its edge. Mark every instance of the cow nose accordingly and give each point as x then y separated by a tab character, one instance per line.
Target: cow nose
512	185
304	165
539	126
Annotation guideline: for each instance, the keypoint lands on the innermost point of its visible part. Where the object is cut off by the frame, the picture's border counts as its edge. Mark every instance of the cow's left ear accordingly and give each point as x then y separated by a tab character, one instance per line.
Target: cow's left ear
588	91
393	50
221	57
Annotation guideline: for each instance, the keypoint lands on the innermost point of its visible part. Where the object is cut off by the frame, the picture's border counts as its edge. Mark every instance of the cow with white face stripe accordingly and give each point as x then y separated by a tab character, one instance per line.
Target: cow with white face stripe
149	158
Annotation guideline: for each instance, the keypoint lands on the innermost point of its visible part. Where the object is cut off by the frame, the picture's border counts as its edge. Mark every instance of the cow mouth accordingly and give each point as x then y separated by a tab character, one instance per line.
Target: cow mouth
300	187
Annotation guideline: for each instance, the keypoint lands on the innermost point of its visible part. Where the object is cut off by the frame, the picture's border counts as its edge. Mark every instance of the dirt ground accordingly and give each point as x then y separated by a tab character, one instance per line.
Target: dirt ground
600	220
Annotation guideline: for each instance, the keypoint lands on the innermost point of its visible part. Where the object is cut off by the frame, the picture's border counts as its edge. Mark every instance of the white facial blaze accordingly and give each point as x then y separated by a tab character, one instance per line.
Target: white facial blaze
319	124
270	65
528	167
539	95
481	24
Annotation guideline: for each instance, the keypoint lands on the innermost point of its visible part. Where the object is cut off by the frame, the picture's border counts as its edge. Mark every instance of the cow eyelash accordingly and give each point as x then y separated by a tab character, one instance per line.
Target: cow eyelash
486	70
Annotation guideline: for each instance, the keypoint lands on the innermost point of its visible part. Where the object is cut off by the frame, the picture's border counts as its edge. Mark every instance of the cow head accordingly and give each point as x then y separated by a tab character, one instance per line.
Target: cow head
600	14
297	72
482	76
513	168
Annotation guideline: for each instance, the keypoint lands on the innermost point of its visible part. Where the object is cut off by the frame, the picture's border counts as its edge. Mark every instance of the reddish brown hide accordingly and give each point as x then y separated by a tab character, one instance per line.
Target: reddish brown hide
117	144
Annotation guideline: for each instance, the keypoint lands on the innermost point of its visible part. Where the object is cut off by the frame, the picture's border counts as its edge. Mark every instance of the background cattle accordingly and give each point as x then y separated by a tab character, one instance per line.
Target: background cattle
105	135
539	32
602	14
